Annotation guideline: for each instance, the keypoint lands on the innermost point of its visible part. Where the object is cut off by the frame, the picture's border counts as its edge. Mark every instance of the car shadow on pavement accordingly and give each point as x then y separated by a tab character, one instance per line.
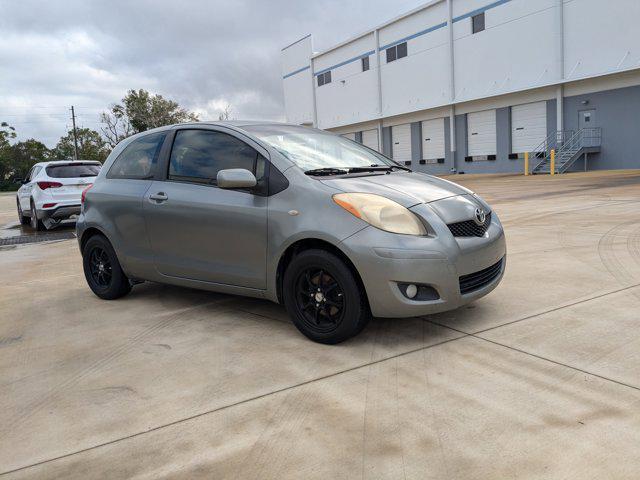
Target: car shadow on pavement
394	335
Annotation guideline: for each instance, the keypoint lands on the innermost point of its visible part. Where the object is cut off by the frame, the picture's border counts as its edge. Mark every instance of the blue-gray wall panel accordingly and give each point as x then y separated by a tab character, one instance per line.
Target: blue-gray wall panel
552	109
386	141
416	144
461	142
618	114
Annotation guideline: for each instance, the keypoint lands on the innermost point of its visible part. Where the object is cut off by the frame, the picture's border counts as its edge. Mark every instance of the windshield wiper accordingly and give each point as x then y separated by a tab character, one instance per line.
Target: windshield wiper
377	168
346	170
327	171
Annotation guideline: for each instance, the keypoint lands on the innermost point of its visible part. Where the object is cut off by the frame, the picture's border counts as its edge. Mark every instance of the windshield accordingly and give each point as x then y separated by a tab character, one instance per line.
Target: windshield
313	149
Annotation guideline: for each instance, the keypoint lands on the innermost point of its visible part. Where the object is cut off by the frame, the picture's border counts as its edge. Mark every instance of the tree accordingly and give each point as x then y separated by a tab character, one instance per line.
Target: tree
24	155
91	146
140	111
7	133
226	113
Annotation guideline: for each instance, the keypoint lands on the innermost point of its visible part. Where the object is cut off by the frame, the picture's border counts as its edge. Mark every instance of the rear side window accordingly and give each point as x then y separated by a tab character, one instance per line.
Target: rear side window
34	172
74	170
138	160
198	155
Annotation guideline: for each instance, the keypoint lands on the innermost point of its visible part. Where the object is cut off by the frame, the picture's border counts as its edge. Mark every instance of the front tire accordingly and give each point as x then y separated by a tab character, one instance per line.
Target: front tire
102	269
323	297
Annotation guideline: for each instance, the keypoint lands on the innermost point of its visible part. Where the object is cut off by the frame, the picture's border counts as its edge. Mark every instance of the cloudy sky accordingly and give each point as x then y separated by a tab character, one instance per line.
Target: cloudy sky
204	54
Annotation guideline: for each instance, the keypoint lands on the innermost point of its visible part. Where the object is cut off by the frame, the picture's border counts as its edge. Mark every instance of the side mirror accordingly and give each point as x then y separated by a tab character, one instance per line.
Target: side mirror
24	181
236	178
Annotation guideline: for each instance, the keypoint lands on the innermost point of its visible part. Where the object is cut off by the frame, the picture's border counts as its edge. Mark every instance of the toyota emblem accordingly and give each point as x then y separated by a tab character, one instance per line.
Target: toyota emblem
480	216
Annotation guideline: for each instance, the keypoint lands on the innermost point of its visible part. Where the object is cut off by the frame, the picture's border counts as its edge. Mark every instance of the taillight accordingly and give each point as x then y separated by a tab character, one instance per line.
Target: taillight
45	185
84	193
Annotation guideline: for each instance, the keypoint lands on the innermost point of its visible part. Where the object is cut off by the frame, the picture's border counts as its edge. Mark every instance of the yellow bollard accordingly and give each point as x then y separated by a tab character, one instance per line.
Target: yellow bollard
526	163
553	161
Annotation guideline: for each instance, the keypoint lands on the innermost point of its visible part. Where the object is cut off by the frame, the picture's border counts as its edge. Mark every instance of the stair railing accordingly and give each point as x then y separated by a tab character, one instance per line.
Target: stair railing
555	141
583	138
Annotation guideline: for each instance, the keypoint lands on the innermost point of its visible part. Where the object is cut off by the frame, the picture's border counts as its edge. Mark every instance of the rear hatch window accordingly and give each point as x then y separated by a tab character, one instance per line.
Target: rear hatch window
74	170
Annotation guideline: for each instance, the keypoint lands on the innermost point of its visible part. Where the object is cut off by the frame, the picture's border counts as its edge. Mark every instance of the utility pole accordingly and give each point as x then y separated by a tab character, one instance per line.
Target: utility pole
75	134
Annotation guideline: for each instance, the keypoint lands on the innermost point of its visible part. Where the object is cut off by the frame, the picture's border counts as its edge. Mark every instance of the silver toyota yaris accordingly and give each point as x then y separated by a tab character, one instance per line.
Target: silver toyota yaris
333	230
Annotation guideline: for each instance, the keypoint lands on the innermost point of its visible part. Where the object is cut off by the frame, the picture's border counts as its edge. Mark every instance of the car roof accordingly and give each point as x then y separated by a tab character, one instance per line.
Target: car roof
240	123
64	162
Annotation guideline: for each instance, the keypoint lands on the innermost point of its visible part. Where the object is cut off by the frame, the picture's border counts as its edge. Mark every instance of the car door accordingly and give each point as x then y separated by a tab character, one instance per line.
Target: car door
120	197
24	192
199	231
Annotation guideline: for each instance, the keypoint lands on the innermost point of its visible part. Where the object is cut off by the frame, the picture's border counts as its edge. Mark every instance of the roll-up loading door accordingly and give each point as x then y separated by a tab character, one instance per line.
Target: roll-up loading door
528	126
370	139
481	133
433	139
401	140
350	136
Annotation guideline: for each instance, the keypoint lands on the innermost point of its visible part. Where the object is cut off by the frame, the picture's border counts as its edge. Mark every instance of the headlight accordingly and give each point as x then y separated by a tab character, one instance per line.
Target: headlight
381	212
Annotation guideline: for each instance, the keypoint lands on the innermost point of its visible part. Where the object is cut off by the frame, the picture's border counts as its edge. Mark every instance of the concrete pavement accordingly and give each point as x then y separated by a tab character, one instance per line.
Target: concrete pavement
540	379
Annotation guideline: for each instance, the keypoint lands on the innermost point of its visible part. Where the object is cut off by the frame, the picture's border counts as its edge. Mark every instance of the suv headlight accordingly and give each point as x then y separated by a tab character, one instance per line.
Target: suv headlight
381	212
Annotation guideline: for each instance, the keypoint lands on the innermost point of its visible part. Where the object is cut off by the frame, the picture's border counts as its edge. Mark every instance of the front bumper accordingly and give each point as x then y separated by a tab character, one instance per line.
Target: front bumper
385	260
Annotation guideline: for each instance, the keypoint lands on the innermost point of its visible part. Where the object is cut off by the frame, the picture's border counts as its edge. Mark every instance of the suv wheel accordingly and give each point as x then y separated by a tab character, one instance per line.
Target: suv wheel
35	223
102	269
323	297
24	220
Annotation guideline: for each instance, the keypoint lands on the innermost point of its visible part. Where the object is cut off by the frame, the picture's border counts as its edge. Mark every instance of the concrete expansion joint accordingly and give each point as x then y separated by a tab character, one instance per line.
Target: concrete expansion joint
463	335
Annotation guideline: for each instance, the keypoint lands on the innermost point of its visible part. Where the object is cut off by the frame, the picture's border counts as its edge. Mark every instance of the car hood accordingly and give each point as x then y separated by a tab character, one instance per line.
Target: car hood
406	188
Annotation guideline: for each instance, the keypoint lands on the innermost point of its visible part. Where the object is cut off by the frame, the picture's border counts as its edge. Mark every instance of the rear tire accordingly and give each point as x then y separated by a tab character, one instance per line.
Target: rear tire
24	220
323	297
102	269
35	223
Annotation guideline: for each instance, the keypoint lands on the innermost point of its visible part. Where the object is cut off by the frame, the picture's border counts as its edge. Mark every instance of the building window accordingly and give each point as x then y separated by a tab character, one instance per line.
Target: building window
396	52
365	64
477	23
324	78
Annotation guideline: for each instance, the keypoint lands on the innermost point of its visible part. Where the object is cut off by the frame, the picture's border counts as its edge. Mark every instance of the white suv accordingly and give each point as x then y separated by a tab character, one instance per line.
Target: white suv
52	191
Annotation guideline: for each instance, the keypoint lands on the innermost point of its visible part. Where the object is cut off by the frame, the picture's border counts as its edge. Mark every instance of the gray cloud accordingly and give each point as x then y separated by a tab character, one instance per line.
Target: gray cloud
201	53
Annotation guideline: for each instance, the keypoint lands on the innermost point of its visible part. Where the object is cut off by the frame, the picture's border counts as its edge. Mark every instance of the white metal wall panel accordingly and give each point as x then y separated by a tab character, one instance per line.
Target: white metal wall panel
433	139
370	139
350	136
401	139
481	133
528	126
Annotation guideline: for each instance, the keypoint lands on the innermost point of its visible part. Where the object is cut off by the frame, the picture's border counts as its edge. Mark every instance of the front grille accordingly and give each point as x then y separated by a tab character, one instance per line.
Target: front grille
470	228
477	280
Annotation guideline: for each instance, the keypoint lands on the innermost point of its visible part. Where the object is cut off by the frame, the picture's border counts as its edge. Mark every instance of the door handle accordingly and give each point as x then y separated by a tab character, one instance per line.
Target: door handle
159	197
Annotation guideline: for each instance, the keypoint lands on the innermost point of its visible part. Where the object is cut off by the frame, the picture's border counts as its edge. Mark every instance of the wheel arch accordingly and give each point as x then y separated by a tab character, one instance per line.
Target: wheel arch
313	244
91	232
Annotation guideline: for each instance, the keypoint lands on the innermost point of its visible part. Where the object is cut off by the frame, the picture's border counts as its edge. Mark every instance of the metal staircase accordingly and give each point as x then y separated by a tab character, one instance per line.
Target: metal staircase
569	146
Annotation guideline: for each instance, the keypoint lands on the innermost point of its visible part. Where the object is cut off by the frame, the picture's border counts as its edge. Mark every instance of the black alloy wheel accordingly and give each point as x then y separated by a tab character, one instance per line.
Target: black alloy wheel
324	297
320	300
100	267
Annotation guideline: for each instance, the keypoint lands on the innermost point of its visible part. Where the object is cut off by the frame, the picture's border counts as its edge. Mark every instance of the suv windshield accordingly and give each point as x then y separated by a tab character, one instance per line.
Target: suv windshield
313	149
73	170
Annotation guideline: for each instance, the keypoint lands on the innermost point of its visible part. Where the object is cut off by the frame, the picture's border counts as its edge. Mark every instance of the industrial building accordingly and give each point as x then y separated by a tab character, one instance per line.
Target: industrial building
472	85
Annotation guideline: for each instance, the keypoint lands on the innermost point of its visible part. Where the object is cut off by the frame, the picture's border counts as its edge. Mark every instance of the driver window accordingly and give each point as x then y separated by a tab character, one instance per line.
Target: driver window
198	155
